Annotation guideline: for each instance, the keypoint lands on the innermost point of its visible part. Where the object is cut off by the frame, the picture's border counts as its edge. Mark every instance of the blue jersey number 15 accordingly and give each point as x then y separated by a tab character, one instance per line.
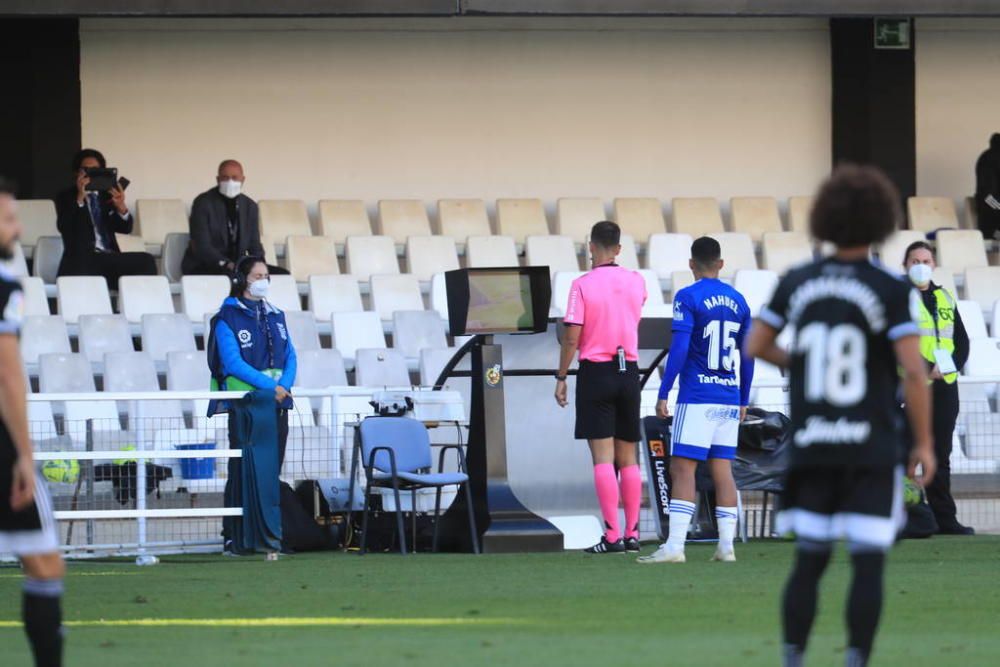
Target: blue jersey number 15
721	337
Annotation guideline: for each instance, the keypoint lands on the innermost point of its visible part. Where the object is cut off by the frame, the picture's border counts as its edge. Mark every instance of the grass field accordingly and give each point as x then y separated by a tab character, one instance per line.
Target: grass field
943	608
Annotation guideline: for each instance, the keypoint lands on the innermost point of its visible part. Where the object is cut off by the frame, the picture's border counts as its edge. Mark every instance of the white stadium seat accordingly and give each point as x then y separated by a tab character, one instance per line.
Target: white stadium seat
427	255
281	218
38	218
369	255
48	253
174	247
439	296
655	305
340	218
946	279
302	330
799	209
64	373
381	368
562	281
100	334
130	243
757	287
400	218
139	295
187	371
891	252
319	369
392	293
737	253
755	216
556	252
462	218
333	294
35	300
155	218
284	293
43	334
960	249
697	216
83	295
929	213
488	251
982	285
309	255
972	318
640	217
781	251
668	253
576	215
680	279
203	294
521	218
166	333
984	357
352	331
414	330
629	255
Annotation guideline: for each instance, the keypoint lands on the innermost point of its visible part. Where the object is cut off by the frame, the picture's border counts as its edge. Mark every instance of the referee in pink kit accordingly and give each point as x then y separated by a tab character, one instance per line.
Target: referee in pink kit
602	321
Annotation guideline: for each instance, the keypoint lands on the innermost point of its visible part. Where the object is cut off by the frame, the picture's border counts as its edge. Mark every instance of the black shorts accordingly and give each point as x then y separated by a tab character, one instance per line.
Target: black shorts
607	402
863	505
32	530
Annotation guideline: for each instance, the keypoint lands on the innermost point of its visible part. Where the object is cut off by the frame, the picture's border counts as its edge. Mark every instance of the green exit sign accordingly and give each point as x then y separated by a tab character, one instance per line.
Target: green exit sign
892	33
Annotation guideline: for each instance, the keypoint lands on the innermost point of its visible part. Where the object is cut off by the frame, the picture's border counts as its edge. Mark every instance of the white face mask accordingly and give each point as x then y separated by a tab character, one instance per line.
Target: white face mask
920	274
259	288
230	189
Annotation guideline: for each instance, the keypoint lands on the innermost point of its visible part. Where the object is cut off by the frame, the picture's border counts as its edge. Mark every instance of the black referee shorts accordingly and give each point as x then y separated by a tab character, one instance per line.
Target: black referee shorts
607	402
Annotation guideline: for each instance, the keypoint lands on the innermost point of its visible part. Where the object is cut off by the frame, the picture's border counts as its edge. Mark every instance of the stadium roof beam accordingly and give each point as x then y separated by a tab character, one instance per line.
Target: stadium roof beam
227	8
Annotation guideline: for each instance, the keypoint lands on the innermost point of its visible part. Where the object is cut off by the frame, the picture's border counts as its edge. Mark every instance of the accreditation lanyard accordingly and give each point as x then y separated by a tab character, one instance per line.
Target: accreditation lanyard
262	322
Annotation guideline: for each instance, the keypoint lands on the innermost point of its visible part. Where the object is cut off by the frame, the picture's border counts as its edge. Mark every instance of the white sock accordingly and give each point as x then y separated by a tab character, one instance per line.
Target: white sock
681	513
726	518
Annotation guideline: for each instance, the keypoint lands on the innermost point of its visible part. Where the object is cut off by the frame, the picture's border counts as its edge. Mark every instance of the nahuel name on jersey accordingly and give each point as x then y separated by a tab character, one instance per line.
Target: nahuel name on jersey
825	431
715	379
721	300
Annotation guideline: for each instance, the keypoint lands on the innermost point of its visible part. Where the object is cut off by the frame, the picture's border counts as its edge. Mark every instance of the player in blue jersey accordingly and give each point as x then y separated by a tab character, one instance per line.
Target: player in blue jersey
711	320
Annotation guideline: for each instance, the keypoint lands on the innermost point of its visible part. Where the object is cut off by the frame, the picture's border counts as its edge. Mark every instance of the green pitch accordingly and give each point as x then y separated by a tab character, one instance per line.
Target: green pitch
942	606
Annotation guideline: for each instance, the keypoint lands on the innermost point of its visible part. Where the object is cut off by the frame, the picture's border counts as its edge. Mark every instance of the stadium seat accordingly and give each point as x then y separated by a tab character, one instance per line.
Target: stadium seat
42	334
64	373
799	209
38	218
737	253
351	331
281	218
187	371
982	285
970	218
48	253
35	300
401	218
166	333
984	357
946	279
340	218
521	218
319	369
640	217
427	255
891	251
781	251
556	252
960	249
432	362
995	319
487	251
755	216
697	216
331	294
71	374
562	281
203	294
629	255
155	218
929	213
302	331
308	255
369	255
284	293
462	218
668	253
576	215
655	305
414	330
100	334
392	293
174	247
138	295
439	296
130	243
680	279
756	287
17	265
381	368
972	318
82	295
127	372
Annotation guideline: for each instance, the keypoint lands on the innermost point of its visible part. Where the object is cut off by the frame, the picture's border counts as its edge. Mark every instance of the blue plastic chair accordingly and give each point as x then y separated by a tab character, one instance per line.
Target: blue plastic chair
396	453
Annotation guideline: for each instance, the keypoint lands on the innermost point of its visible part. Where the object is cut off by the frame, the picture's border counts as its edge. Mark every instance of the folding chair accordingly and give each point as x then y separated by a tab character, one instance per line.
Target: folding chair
397	455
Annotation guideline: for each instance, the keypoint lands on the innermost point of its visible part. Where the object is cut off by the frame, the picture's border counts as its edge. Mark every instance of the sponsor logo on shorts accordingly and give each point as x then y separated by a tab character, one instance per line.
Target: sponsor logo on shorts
840	432
656	448
722	414
662	486
494	375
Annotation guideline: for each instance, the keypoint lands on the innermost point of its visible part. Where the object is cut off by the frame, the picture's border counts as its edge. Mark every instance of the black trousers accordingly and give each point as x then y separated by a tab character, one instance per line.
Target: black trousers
194	268
987	219
234	480
945	414
111	265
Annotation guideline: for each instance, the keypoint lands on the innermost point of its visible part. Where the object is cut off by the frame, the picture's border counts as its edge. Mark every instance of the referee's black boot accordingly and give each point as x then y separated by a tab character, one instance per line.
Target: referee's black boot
605	547
956	529
632	544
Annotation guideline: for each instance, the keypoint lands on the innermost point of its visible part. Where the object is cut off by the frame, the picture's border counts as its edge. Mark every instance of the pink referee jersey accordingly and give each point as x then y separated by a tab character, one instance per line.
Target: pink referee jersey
607	303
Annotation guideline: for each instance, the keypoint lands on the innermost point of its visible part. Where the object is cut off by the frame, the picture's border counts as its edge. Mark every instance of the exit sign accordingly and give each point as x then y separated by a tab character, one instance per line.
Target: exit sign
892	33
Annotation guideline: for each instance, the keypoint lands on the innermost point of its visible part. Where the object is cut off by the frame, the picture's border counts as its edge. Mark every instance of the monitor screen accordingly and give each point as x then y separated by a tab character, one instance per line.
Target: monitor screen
498	300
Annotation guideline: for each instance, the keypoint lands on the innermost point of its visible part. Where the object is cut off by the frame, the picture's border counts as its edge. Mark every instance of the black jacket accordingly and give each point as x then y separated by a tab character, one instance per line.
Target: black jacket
77	230
210	232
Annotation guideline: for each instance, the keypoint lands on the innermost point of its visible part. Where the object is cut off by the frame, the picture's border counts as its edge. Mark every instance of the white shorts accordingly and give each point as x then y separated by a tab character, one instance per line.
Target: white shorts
43	540
704	431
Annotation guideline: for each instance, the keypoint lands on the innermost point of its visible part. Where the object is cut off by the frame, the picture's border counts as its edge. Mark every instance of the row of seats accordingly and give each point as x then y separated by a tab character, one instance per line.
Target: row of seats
399	219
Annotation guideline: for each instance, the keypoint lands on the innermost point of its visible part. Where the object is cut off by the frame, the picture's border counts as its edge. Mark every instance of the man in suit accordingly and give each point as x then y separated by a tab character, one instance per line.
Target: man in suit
225	226
88	221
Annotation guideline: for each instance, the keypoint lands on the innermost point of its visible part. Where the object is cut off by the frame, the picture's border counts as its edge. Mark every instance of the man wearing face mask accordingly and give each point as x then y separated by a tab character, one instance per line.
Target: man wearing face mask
225	226
944	344
249	348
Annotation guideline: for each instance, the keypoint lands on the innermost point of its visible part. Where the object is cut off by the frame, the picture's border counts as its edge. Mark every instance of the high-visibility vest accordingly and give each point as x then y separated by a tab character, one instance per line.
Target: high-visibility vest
938	333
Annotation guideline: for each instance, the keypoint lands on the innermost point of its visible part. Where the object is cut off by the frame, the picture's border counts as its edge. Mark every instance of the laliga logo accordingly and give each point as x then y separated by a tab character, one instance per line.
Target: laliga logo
493	375
244	337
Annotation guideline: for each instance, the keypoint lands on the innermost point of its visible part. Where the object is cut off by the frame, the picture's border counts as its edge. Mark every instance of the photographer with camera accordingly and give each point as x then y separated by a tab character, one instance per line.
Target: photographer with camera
89	216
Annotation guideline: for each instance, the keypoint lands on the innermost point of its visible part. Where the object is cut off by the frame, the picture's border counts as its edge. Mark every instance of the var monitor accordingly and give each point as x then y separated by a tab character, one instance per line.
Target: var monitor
498	300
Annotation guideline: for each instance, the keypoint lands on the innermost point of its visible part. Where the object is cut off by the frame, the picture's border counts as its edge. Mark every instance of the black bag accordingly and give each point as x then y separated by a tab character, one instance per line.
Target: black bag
920	522
299	531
